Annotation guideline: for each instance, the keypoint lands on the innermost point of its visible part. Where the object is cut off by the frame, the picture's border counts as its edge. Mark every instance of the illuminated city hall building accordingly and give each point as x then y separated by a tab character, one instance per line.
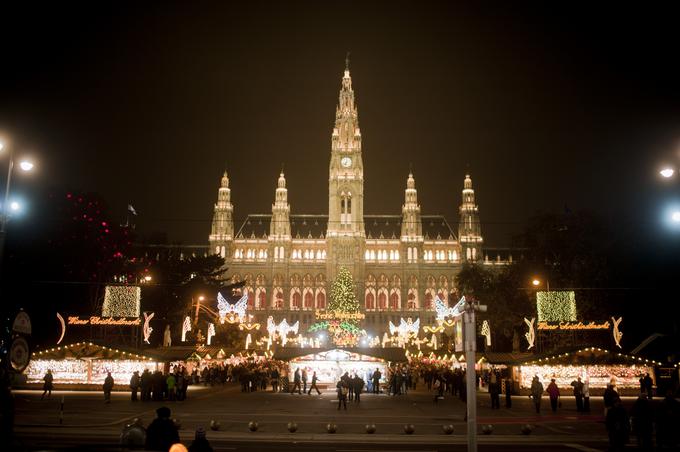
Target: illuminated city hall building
399	262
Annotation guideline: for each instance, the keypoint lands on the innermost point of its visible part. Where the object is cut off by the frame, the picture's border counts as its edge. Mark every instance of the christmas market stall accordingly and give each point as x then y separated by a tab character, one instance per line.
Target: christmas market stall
599	367
331	364
86	364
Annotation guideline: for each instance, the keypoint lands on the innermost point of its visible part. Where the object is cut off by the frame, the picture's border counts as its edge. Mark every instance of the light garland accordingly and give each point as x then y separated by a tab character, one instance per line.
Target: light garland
406	328
211	332
616	332
486	332
556	306
121	301
186	327
232	313
147	326
599	375
531	334
63	328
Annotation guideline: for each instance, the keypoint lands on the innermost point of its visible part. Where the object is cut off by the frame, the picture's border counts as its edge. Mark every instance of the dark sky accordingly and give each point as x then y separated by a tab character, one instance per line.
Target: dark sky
546	105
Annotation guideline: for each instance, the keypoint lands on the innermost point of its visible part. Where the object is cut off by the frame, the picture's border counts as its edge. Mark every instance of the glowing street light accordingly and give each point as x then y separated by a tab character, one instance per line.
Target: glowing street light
25	165
667	172
675	216
536	282
147	278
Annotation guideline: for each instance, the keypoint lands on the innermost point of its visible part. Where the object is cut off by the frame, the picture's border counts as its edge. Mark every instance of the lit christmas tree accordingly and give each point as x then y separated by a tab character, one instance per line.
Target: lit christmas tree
343	316
342	294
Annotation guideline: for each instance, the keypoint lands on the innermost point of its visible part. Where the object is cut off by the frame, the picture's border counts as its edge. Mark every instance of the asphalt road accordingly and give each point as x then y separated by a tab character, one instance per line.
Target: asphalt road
88	423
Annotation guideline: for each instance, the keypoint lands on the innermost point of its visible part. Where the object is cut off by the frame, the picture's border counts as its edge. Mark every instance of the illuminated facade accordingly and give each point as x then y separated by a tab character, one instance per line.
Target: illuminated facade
400	262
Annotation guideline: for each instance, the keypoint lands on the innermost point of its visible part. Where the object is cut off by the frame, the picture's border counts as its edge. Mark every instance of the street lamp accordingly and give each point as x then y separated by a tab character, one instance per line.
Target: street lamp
198	306
667	172
537	282
24	165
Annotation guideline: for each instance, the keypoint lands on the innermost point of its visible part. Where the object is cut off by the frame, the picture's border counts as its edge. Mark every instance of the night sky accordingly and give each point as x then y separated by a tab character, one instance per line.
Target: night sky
548	106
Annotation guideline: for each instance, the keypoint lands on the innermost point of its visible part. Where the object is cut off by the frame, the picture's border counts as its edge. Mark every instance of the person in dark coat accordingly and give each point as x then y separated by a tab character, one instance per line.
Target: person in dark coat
642	420
200	443
47	387
618	426
145	383
162	432
667	422
508	392
134	385
578	393
108	387
358	386
376	381
313	385
296	381
648	385
275	380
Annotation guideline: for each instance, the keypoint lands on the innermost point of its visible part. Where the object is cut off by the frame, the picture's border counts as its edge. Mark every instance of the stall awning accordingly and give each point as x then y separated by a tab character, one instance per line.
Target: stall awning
391	354
89	350
588	355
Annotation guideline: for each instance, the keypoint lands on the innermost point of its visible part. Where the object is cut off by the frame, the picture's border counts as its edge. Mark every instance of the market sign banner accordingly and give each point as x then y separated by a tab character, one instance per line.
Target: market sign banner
104	321
337	315
574	326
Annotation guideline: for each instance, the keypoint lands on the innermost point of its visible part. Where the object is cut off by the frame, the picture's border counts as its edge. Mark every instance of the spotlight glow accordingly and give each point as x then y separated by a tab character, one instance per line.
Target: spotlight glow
26	165
15	206
667	172
675	216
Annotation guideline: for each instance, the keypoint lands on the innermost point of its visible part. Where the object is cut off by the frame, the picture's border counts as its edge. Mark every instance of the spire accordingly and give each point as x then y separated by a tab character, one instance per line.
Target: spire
411	225
347	61
346	134
222	231
280	224
469	228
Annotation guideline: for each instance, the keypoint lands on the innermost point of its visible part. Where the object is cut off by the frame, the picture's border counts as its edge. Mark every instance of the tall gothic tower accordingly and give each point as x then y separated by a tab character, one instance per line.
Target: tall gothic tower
469	229
346	237
279	228
222	232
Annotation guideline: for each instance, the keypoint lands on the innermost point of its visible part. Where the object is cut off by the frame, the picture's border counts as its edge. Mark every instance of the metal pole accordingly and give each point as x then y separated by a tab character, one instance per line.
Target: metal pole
471	376
5	214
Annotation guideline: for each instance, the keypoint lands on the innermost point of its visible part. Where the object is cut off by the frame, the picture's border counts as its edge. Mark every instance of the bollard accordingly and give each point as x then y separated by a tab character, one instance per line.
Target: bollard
487	429
448	429
409	429
292	427
214	425
527	429
253	426
331	427
177	423
370	428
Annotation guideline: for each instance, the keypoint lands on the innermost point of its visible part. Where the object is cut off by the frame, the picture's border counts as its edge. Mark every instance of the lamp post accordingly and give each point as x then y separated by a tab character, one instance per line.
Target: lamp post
469	310
198	306
537	282
24	165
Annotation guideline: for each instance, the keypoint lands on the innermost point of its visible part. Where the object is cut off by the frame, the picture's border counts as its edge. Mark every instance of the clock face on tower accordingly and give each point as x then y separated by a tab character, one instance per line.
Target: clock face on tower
346	162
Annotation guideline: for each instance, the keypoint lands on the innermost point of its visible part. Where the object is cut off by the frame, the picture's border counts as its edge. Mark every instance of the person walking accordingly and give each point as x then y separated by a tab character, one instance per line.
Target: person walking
108	387
275	380
377	375
609	397
494	390
358	386
134	385
48	385
162	432
313	385
667	421
618	426
642	422
554	393
296	381
536	393
578	393
343	390
145	382
304	380
508	392
648	385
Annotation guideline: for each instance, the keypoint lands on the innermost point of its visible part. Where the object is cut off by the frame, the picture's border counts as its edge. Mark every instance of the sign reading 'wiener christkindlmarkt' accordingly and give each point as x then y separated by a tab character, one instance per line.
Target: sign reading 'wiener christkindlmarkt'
104	321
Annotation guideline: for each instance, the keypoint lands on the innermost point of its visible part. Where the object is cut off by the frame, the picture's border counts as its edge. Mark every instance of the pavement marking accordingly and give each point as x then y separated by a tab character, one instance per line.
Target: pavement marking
582	447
